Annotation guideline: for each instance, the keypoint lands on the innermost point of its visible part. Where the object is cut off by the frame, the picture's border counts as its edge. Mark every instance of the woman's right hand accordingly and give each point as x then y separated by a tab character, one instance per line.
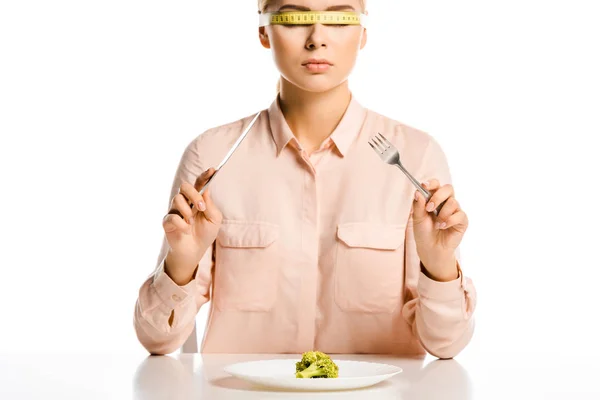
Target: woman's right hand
190	231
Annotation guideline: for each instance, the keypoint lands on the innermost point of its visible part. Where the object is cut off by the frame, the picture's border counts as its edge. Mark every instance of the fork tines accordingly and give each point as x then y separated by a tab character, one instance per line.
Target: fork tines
379	143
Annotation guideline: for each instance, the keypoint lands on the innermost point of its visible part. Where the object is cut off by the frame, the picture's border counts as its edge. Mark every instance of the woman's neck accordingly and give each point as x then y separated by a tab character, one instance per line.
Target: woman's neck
312	117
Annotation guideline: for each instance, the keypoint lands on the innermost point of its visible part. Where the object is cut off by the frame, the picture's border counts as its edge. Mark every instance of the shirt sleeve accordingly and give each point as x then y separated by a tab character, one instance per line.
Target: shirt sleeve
165	313
440	313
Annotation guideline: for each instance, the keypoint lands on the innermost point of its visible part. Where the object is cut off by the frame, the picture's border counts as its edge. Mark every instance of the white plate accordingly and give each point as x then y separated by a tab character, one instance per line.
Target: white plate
281	374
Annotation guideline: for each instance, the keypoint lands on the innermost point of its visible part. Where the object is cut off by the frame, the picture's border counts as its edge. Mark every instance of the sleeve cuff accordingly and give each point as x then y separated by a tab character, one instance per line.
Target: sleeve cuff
170	293
443	291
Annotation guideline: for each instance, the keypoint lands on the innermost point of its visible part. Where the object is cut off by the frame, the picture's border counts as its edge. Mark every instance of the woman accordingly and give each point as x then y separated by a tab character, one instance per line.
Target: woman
306	239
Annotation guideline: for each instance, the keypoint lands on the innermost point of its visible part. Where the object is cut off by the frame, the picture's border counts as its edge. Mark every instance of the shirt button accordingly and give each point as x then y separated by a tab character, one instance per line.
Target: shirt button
176	298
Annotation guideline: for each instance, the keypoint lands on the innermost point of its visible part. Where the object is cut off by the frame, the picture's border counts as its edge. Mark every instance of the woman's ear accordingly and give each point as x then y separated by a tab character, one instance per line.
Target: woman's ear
363	40
264	38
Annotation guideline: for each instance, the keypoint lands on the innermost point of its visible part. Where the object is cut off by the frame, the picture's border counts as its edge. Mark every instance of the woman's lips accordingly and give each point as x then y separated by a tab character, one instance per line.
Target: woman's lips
317	67
316	64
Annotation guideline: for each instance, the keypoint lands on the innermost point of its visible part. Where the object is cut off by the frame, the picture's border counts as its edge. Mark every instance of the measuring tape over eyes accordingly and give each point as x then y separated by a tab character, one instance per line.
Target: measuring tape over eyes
313	17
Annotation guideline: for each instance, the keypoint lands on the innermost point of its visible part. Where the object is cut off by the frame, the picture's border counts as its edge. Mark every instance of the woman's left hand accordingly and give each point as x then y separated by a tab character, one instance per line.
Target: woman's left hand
438	237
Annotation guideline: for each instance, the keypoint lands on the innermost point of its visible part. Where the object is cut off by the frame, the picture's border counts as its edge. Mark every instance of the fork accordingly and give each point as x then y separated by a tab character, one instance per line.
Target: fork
389	154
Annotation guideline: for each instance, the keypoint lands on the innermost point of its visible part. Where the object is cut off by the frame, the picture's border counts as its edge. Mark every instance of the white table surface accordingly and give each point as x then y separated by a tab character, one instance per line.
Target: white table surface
201	376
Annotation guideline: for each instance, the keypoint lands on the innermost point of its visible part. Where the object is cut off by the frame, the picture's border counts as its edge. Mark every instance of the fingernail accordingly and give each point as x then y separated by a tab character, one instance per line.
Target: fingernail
426	184
443	225
416	196
201	206
430	206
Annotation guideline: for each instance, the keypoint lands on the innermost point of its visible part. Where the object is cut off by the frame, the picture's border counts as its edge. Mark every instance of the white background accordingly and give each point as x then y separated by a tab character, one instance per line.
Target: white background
99	99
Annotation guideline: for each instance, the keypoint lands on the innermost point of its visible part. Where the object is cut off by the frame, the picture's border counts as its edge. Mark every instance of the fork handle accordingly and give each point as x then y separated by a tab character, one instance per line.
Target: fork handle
420	188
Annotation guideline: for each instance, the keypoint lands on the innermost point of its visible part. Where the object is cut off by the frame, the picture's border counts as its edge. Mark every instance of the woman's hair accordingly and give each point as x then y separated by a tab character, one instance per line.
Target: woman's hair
262	6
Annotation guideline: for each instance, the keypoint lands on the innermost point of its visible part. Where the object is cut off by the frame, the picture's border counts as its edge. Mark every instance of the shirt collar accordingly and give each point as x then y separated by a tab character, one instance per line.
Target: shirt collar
342	136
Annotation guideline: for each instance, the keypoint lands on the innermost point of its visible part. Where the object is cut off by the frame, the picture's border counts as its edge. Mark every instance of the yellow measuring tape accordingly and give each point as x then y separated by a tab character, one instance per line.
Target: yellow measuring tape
313	17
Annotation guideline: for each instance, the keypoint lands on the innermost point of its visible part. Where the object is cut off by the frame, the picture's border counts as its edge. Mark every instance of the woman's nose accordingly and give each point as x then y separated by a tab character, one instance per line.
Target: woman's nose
317	38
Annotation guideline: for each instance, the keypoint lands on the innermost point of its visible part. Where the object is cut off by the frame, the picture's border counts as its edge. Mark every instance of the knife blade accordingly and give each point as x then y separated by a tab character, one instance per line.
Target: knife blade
228	155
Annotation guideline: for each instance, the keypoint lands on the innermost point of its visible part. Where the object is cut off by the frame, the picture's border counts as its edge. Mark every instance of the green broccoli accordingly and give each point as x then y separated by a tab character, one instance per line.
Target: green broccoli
315	364
308	358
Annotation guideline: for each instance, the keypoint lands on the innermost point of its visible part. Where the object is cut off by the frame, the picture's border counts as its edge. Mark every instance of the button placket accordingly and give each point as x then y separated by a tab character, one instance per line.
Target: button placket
310	247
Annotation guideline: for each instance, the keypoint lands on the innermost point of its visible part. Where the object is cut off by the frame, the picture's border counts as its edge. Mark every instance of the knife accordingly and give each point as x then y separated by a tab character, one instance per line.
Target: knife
228	155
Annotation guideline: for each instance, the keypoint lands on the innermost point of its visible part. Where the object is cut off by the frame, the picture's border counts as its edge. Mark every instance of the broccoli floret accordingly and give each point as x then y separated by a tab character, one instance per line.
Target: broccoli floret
308	358
324	368
316	364
311	356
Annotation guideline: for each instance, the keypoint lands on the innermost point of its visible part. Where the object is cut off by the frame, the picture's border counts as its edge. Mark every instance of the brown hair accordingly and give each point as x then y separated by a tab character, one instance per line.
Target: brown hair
263	4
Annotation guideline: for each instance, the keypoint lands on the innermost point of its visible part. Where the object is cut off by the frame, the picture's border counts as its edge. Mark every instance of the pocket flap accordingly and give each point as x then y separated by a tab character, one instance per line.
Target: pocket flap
372	235
247	234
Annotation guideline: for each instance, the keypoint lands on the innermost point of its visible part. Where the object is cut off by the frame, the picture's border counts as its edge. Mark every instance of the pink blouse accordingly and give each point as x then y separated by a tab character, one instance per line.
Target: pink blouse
315	251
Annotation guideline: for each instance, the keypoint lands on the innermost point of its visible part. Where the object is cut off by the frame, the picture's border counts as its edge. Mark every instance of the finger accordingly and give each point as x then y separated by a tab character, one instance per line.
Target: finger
419	212
192	197
449	208
431	184
440	195
173	222
200	182
211	212
458	221
180	205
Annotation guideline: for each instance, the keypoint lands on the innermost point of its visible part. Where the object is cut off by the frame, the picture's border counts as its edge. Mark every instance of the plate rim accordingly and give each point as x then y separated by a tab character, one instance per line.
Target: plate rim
397	370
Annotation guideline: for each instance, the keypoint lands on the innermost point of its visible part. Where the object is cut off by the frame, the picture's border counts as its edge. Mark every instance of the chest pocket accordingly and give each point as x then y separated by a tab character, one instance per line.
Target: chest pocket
247	265
369	267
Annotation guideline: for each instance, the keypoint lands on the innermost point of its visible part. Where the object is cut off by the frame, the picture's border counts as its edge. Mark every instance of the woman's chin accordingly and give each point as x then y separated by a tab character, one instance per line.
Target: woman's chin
316	85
